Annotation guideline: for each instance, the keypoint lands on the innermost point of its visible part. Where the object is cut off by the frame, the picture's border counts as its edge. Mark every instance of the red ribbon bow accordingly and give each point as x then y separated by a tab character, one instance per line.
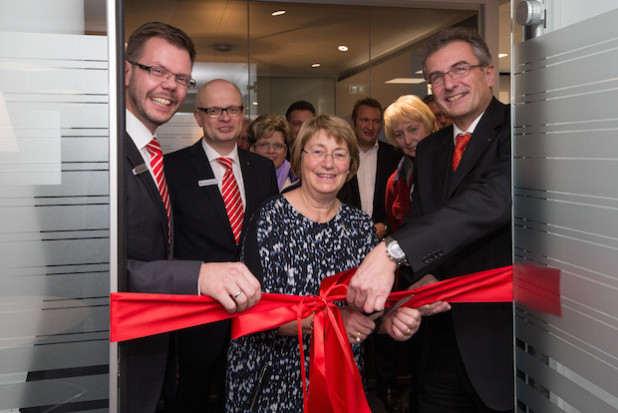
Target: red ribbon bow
335	382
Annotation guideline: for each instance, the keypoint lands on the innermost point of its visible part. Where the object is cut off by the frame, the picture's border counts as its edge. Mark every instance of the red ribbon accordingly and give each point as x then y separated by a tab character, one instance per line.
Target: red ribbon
335	382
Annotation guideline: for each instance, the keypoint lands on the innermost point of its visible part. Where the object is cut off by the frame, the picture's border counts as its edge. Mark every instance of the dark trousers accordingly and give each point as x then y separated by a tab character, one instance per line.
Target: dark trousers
199	376
445	386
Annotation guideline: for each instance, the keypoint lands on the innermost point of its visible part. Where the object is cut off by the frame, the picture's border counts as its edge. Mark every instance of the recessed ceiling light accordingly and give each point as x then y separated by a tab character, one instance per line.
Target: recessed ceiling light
405	81
501	55
418	72
278	13
255	103
315	65
343	48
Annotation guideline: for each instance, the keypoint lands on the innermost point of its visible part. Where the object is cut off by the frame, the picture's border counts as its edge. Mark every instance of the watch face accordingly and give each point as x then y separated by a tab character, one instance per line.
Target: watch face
395	252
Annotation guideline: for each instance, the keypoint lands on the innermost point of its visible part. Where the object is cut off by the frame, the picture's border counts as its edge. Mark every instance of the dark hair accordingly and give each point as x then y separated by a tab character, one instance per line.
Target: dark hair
429	98
453	34
265	125
299	105
365	102
173	35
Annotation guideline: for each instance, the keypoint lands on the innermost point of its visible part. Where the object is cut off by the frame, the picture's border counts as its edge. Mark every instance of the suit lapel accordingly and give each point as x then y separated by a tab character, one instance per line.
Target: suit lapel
203	172
136	160
249	175
483	136
441	168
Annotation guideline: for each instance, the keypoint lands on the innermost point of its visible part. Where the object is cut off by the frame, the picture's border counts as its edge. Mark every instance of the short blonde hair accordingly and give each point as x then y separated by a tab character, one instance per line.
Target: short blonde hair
407	108
265	125
334	127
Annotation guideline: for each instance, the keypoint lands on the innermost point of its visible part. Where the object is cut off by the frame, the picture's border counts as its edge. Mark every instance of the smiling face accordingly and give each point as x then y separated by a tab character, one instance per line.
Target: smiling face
154	101
272	147
323	178
408	135
220	132
466	98
367	126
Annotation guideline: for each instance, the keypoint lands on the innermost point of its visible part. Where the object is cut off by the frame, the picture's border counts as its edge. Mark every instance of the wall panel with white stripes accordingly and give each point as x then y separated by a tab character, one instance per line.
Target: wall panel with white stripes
565	150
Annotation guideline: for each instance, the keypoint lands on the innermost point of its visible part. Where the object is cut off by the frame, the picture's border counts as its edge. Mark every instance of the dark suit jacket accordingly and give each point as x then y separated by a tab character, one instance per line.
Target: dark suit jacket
388	159
149	270
459	223
201	226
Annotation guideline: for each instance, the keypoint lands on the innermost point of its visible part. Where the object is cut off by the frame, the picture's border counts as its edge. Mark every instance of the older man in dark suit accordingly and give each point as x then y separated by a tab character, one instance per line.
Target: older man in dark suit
209	222
459	223
159	59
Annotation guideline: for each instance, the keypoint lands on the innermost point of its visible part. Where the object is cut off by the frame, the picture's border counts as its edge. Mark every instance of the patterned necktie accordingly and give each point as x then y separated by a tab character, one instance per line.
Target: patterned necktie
460	146
231	198
156	164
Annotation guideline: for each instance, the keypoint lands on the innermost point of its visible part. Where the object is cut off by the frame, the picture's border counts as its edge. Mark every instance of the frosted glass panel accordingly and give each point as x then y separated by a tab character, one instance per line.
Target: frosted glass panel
54	210
565	197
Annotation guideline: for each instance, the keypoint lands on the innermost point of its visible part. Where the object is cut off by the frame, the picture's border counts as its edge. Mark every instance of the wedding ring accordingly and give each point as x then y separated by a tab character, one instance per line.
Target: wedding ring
237	294
358	337
408	332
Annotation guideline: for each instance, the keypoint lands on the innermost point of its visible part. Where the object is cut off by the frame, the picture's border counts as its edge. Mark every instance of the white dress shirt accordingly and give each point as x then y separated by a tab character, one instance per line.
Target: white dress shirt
366	176
219	170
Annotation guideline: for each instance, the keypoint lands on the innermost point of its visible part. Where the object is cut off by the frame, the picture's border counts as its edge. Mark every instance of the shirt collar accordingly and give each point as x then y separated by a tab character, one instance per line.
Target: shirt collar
457	131
372	149
137	130
212	154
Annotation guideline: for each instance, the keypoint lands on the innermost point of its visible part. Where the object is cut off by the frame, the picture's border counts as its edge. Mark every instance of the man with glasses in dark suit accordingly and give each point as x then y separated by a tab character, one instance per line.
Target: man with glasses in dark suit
158	64
215	188
459	223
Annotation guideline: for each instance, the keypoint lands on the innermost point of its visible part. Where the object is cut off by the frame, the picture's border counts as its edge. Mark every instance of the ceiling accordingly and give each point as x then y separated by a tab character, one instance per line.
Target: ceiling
289	44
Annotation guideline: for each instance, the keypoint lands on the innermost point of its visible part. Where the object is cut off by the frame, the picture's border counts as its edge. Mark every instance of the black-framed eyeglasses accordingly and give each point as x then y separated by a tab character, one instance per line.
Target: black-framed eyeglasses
320	155
162	73
215	112
457	71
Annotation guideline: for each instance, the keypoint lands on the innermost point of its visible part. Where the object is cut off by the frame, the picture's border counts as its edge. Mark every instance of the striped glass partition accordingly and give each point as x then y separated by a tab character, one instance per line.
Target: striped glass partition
565	148
54	212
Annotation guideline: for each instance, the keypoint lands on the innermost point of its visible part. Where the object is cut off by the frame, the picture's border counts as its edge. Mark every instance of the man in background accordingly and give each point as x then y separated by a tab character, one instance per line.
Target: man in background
442	118
297	113
378	160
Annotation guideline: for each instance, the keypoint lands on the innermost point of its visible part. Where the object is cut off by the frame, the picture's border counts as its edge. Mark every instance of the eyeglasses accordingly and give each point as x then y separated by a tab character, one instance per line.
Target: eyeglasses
320	155
215	112
457	71
267	145
162	73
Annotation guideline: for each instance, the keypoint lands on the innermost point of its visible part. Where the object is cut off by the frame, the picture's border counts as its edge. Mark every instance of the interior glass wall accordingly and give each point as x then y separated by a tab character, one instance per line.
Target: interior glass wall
54	206
280	52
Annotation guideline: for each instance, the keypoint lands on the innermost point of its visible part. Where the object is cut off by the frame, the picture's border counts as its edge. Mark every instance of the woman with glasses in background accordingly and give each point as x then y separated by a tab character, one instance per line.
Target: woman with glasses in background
292	243
269	136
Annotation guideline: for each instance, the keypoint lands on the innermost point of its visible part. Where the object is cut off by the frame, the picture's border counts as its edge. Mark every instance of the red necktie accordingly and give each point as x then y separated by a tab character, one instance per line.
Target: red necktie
156	164
460	146
231	197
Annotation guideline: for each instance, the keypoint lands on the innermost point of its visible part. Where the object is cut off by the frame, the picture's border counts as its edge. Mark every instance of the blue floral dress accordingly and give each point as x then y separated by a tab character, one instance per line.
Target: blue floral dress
291	255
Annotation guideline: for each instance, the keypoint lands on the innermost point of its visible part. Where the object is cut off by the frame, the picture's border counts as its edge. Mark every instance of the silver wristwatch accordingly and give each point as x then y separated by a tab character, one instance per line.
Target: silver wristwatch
394	251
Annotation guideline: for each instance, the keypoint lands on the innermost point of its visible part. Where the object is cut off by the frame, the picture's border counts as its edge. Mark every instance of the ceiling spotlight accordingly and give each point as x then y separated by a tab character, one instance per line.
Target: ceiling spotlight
278	13
315	65
343	48
501	55
222	47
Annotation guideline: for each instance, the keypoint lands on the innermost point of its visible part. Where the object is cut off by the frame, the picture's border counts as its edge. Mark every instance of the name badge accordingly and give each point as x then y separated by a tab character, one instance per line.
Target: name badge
207	182
139	169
